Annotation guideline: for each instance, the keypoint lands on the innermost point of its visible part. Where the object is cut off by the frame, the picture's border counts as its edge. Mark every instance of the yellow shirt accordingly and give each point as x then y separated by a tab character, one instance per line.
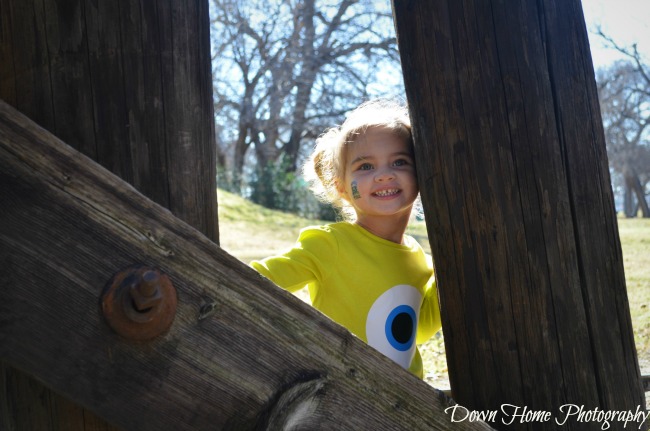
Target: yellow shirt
383	292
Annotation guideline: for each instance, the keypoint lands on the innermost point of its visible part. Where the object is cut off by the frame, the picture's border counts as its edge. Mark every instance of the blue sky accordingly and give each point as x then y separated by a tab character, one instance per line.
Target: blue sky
626	21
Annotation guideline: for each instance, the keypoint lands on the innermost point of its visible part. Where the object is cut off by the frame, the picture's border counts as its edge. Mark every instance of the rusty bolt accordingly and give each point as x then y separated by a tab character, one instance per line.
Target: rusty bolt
139	303
146	291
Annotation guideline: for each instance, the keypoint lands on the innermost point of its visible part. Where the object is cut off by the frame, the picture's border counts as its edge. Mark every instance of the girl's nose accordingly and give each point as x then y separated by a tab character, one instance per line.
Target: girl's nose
386	174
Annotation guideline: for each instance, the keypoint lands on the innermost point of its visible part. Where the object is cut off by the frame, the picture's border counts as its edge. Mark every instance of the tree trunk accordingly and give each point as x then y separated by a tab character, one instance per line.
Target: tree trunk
516	190
304	85
292	147
633	184
240	354
631	206
128	84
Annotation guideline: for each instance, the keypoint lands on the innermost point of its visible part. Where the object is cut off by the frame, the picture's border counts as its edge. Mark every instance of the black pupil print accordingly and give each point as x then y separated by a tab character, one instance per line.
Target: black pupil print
402	327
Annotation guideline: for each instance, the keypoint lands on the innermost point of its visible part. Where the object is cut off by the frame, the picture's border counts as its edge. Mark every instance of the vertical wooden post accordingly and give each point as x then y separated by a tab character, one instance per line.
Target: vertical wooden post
128	84
516	190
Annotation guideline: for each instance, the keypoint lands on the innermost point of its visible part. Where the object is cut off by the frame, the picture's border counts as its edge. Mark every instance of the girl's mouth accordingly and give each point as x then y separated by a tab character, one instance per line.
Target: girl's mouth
386	193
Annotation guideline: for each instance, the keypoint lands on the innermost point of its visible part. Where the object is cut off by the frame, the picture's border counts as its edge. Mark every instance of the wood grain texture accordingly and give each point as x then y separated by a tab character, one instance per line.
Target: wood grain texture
128	83
241	353
515	187
128	86
29	405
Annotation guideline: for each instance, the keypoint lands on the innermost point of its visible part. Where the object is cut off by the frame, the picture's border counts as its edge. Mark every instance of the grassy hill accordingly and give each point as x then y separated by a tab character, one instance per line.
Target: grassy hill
249	232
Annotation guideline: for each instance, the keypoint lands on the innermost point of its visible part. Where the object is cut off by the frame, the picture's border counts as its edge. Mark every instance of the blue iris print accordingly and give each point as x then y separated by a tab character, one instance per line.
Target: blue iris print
400	327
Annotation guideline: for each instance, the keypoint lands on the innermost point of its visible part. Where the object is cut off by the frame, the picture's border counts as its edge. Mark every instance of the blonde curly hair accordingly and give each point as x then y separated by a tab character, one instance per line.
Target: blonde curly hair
325	168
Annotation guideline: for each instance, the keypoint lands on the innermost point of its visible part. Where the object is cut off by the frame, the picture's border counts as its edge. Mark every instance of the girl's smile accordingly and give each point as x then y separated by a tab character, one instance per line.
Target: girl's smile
386	193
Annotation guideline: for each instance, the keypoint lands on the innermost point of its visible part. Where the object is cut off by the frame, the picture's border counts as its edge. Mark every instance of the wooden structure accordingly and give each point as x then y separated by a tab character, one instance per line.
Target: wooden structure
519	206
127	84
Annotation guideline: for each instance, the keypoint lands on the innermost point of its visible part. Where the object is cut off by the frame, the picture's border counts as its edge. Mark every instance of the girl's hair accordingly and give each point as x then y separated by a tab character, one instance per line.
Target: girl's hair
325	168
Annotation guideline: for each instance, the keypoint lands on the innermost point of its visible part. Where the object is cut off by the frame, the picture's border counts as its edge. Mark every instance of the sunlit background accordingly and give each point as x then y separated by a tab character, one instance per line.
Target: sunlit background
625	21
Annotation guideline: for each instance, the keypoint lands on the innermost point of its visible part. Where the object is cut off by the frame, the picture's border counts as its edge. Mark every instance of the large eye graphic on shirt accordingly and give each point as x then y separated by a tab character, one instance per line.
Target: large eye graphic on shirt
400	327
392	323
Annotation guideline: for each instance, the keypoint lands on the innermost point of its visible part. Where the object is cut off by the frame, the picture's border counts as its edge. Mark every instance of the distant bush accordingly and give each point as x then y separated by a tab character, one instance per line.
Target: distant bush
273	187
226	180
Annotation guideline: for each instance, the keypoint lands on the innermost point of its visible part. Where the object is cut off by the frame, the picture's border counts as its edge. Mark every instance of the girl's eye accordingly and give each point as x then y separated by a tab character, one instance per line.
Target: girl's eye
365	167
400	162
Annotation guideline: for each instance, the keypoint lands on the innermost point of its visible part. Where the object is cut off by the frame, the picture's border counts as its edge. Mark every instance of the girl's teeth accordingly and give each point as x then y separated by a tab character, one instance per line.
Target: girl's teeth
386	192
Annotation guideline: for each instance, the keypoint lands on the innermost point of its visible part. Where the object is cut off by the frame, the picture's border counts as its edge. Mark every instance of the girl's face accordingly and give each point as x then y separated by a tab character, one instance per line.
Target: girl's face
379	175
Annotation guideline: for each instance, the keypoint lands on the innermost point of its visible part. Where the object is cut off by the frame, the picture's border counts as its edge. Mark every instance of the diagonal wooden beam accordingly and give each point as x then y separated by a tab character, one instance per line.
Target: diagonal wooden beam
240	352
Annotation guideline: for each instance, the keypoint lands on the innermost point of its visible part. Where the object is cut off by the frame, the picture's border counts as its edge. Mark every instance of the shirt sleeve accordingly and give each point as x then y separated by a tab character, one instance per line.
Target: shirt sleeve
429	322
308	261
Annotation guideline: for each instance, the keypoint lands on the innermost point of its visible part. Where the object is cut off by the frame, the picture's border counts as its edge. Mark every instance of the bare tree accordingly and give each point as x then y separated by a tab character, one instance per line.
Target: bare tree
242	58
283	71
624	93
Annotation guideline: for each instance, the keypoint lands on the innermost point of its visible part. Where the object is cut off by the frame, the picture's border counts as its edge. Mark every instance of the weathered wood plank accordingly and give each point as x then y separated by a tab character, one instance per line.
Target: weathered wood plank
185	56
31	406
516	192
98	75
128	84
241	353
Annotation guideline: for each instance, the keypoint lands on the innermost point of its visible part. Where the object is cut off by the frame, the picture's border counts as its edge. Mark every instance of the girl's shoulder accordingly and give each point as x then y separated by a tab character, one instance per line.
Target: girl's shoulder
332	236
333	229
323	236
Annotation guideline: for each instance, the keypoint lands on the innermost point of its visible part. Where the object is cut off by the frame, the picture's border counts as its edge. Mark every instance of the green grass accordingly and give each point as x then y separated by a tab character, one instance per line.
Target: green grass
635	241
249	232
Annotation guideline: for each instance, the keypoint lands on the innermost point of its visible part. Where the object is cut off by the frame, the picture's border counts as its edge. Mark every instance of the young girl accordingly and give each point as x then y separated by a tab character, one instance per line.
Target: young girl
365	273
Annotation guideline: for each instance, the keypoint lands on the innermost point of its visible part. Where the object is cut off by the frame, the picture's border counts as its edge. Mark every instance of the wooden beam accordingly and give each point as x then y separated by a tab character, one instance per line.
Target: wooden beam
240	354
516	190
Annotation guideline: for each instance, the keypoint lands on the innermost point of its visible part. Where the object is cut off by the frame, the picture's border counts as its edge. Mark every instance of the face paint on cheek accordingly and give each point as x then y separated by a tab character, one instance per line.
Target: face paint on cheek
355	190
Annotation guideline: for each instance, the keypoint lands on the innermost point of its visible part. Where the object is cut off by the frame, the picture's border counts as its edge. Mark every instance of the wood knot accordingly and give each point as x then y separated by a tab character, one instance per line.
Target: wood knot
295	405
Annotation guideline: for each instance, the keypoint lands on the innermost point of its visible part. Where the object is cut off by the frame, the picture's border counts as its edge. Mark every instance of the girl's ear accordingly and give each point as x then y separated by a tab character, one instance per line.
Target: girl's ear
340	188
